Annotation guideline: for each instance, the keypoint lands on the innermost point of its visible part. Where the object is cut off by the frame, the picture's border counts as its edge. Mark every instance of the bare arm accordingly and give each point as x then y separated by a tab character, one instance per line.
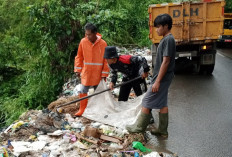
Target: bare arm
162	72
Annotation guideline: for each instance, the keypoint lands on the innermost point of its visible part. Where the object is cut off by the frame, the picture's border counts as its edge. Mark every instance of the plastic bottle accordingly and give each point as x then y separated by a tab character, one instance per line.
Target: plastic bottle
136	154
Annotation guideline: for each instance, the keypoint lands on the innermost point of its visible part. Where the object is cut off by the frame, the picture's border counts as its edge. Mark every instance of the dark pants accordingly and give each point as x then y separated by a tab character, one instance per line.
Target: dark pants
125	89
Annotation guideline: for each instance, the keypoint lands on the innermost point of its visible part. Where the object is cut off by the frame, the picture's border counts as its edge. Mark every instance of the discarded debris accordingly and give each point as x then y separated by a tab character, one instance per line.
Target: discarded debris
96	142
111	139
34	139
91	132
153	154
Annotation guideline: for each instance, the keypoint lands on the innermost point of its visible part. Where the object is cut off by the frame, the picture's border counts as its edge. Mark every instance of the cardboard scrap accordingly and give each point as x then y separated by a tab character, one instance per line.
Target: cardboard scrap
86	139
110	138
92	132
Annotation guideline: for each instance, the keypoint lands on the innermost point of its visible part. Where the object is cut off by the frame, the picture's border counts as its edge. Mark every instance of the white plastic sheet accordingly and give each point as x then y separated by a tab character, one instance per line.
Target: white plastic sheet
103	108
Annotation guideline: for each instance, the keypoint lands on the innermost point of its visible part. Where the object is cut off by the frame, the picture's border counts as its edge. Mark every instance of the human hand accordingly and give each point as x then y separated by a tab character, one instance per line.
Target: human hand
104	78
156	86
144	75
111	85
78	74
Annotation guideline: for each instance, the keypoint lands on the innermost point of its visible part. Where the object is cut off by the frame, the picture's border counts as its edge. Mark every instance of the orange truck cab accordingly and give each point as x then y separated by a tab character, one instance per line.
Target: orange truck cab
227	34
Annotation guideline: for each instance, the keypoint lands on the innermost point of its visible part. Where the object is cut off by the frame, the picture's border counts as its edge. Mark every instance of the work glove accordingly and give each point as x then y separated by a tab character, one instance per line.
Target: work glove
144	75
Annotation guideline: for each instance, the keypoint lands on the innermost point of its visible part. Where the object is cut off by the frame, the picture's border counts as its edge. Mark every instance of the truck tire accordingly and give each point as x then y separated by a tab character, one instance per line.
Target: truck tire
183	65
206	69
209	69
219	44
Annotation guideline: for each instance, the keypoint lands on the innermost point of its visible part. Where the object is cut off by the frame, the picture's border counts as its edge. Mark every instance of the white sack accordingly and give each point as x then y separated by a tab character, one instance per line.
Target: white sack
103	108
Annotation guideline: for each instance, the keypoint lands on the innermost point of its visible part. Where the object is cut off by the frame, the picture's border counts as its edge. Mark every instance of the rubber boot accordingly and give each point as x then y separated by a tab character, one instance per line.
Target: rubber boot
163	126
83	104
141	123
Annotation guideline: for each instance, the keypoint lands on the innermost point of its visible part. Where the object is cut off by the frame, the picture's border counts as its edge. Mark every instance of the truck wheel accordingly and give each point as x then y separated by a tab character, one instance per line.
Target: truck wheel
219	44
206	69
209	69
198	68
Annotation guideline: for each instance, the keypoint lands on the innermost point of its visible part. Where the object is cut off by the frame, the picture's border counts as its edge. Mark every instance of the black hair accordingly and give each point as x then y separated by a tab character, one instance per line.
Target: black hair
163	19
92	27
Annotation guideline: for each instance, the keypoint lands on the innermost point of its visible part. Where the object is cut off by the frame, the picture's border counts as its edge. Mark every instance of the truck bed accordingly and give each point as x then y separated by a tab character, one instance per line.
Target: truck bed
193	22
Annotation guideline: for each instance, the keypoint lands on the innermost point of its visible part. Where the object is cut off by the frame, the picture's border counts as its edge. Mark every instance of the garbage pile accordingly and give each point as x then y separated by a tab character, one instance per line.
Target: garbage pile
46	133
57	133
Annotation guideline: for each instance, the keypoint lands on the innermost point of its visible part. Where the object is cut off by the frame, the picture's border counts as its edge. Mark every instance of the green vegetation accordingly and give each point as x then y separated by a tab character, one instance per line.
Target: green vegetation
39	40
228	7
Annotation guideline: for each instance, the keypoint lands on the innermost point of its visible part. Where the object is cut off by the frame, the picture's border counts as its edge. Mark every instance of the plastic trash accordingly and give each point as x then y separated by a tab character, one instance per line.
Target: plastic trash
136	154
91	91
6	131
68	92
45	155
79	144
56	133
77	90
69	118
9	145
96	124
69	137
32	138
83	128
17	125
115	146
112	134
21	146
60	110
106	129
73	138
65	126
119	132
148	58
152	154
76	125
3	152
116	92
139	145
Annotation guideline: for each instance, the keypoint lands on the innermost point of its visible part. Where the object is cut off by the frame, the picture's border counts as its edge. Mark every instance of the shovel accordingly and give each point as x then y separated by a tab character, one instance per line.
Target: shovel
71	102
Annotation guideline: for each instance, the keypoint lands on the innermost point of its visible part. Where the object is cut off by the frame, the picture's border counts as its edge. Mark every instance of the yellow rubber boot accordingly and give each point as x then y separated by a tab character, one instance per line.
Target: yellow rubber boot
83	104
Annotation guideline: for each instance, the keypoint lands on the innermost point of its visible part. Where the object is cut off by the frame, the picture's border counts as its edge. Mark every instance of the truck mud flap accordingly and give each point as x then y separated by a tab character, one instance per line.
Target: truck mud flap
208	58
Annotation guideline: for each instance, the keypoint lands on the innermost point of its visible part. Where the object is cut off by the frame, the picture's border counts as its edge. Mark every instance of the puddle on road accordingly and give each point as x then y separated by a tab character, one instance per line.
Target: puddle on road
158	145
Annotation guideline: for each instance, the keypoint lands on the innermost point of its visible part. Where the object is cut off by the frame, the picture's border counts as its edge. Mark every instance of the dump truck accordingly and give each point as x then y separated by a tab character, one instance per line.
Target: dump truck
196	28
226	37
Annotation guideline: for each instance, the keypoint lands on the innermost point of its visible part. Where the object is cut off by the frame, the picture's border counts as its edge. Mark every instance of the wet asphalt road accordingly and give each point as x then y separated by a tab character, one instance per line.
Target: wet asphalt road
200	113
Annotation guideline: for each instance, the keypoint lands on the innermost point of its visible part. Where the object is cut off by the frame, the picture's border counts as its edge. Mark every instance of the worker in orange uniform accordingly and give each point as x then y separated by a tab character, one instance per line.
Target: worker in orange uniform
90	64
